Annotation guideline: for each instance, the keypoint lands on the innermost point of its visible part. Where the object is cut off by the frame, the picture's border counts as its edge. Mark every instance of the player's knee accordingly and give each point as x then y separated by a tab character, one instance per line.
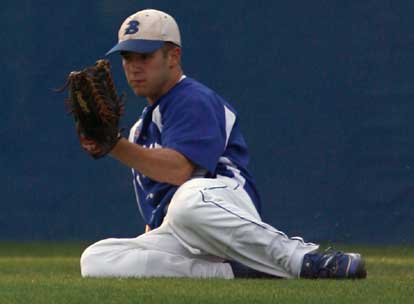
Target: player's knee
92	262
185	204
88	264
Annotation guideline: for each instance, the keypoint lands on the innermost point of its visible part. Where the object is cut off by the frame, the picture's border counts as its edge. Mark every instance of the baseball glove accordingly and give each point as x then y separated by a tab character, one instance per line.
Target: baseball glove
96	108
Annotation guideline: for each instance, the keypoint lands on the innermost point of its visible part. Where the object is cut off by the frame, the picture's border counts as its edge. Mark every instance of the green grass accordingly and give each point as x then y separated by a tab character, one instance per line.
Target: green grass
49	273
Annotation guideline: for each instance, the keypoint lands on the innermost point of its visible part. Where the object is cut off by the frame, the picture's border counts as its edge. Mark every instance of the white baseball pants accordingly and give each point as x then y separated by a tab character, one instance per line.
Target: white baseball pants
209	221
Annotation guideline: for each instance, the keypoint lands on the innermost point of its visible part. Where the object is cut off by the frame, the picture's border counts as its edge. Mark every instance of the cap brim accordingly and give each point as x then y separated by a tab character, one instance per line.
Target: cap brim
137	45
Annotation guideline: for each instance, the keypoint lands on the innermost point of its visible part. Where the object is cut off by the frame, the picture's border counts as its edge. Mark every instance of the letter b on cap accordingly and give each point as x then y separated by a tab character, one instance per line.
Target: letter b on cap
132	27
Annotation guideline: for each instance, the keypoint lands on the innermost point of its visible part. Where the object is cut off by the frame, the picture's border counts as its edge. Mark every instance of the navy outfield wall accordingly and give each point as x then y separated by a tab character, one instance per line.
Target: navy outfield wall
324	91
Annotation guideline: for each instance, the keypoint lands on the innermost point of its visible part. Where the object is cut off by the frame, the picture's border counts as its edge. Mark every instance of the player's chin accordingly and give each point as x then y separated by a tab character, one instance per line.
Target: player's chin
140	91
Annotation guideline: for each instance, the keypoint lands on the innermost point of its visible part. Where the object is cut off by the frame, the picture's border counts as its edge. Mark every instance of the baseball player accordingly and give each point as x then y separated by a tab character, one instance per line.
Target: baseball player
194	191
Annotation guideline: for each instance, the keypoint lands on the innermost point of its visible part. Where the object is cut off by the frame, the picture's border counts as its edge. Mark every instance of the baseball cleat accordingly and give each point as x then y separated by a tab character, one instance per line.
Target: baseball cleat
333	265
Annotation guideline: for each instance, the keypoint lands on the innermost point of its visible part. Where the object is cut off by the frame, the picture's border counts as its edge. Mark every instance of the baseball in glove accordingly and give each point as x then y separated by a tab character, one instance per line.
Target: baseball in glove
96	108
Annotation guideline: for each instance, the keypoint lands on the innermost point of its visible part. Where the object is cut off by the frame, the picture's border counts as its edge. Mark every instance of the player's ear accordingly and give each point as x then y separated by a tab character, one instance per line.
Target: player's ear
175	56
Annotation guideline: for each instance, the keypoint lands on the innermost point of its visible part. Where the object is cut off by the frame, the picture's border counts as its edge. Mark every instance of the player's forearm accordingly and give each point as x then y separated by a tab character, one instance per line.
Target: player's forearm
160	164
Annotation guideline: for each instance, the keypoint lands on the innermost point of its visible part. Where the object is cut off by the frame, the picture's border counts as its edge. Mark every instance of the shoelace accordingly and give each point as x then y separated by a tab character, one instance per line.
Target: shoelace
328	268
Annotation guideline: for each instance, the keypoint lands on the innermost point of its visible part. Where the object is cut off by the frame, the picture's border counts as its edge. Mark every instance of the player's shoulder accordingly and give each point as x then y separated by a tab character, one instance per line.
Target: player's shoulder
190	92
203	93
192	85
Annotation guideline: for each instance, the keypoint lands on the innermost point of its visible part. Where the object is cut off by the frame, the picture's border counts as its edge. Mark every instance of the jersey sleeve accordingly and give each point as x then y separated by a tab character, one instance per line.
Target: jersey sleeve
193	126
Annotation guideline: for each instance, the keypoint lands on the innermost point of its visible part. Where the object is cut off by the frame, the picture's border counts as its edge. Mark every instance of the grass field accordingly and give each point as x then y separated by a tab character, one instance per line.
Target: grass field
49	273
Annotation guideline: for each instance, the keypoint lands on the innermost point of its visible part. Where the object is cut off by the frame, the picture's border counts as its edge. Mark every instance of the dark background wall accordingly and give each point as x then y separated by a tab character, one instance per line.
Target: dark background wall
324	90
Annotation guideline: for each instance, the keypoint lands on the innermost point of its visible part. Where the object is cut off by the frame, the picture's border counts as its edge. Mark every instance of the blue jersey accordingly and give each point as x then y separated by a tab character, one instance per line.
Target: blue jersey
195	121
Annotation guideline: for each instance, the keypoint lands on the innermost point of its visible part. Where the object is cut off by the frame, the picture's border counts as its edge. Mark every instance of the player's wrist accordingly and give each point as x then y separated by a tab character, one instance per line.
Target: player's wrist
118	147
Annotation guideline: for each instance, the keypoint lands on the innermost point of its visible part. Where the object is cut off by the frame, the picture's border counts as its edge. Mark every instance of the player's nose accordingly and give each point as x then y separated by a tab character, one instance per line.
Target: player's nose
135	65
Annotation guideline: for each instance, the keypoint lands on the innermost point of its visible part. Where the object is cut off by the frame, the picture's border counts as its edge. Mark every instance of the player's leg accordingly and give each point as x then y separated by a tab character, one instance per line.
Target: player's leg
217	217
154	254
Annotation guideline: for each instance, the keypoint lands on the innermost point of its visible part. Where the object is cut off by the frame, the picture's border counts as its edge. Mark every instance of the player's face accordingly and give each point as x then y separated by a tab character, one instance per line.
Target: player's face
149	74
